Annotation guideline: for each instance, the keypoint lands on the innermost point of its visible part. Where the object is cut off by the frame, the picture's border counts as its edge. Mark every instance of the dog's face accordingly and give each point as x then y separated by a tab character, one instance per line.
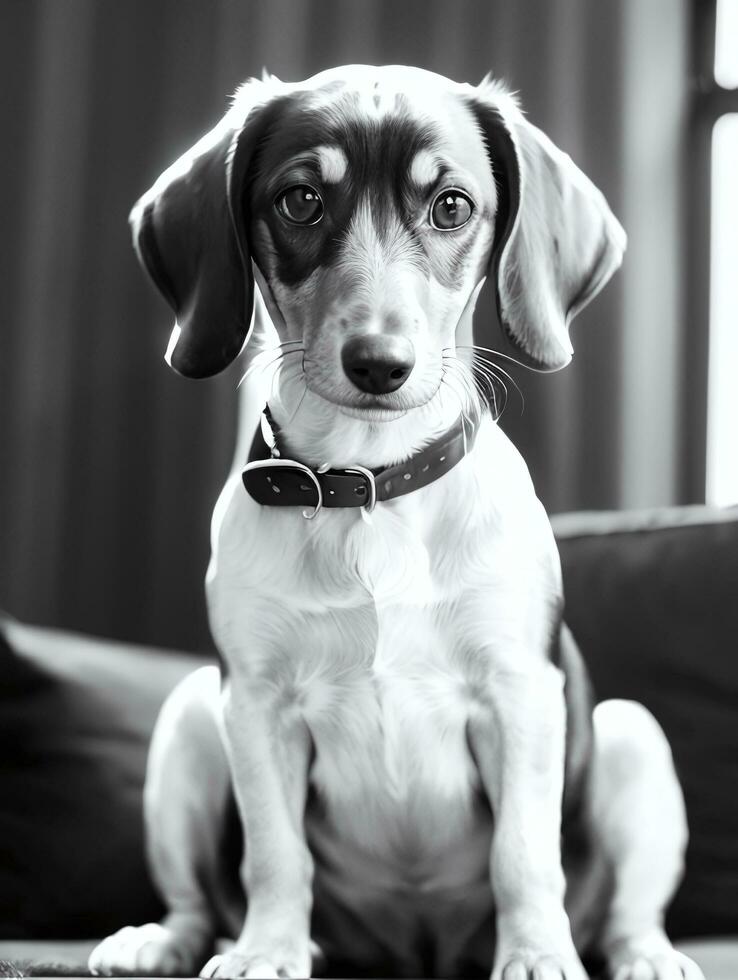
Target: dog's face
371	215
372	203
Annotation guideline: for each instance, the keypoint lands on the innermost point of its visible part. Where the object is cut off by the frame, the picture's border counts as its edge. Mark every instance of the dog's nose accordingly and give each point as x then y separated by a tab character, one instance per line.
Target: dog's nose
378	364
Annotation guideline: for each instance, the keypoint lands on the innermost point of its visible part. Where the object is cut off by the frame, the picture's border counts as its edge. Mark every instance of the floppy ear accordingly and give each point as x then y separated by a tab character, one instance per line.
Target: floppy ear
189	232
556	242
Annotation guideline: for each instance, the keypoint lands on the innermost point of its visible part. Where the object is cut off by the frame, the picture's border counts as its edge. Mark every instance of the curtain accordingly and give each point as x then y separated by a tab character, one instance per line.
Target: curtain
110	464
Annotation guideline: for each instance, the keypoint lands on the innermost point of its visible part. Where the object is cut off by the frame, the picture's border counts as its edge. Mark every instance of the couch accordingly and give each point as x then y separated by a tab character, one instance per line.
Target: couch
651	597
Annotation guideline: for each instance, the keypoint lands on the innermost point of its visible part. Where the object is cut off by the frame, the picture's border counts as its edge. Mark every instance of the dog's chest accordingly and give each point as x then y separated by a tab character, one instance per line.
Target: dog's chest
382	678
397	817
392	761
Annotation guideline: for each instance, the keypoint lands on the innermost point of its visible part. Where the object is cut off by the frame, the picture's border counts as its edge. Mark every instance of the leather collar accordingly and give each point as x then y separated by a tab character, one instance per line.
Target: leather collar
274	481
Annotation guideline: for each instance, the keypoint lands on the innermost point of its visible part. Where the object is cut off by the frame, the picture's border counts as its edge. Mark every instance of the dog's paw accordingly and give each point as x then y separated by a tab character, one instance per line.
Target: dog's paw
148	950
665	967
266	964
651	957
529	964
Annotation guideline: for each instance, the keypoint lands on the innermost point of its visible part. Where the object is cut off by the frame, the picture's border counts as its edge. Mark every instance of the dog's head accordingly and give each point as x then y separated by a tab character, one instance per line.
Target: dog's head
371	203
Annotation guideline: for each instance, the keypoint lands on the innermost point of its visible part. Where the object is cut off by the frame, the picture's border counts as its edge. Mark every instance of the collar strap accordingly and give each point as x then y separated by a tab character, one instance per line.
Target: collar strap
278	482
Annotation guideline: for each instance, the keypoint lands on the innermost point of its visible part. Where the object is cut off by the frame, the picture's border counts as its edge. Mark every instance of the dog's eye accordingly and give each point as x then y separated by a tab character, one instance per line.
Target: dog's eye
300	205
451	209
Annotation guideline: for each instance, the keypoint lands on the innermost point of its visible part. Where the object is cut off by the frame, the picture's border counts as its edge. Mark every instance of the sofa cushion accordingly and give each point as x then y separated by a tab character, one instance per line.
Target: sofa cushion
652	599
75	718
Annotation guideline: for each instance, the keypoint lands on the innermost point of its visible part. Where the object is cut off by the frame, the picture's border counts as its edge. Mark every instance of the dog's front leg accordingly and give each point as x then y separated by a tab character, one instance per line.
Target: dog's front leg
517	735
269	748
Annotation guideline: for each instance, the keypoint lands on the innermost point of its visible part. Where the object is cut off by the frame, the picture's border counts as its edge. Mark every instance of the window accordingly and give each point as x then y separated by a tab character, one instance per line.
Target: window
721	103
726	44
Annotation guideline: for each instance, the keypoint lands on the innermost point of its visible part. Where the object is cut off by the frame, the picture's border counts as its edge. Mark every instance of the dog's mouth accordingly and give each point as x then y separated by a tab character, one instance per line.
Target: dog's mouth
372	413
379	408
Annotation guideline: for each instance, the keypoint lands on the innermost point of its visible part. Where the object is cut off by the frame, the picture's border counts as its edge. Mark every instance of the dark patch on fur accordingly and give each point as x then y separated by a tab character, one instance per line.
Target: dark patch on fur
379	154
504	162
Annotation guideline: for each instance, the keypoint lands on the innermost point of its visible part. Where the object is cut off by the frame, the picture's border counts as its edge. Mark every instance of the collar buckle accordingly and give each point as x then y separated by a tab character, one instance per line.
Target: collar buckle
371	486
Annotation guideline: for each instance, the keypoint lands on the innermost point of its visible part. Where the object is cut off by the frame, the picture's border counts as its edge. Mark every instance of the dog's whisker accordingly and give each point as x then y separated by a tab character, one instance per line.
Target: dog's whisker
458	370
483	363
469	405
483	366
446	383
507	357
480	359
478	395
465	378
277	373
491	388
494	374
470	402
497	387
299	405
285	379
258	363
487	389
287	372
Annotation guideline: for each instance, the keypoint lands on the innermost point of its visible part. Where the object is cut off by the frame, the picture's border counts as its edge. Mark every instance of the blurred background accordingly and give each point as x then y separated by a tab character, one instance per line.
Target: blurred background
110	463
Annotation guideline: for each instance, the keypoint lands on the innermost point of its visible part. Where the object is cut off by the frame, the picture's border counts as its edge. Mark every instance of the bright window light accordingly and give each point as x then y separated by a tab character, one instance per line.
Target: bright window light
722	419
726	44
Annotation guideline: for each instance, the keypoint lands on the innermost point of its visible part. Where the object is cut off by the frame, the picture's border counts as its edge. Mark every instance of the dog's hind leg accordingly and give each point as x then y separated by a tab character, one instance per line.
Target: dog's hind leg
639	821
186	796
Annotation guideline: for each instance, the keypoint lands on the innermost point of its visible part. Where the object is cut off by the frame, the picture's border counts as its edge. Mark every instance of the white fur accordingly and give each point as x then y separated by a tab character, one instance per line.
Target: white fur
390	644
424	168
398	663
333	163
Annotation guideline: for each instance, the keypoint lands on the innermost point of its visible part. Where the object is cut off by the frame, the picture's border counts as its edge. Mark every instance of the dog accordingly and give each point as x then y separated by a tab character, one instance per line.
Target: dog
405	723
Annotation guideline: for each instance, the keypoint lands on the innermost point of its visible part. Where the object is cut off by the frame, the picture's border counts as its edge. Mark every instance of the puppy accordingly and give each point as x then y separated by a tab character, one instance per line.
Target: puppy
404	721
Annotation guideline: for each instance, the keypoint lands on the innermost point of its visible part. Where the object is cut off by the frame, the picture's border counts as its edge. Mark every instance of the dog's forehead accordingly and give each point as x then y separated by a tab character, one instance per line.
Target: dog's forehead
376	91
417	113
